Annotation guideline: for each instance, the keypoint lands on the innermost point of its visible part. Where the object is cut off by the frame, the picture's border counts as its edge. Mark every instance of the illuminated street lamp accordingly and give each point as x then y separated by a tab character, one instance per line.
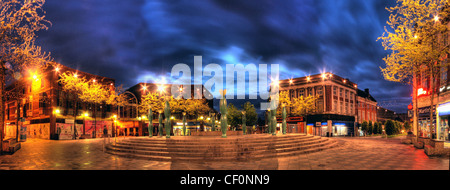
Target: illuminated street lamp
436	18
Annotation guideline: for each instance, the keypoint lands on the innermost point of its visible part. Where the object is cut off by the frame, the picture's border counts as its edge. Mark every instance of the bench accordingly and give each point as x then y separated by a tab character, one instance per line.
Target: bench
10	146
436	148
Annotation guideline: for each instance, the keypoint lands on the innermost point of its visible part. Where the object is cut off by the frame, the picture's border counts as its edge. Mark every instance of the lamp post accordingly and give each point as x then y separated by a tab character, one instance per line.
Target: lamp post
244	121
269	121
223	114
184	123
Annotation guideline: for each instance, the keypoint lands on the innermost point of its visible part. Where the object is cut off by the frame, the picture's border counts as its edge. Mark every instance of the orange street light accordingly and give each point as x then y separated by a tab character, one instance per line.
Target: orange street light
308	78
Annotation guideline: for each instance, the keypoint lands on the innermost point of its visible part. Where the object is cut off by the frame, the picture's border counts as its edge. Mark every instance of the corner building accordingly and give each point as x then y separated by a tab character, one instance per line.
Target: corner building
335	113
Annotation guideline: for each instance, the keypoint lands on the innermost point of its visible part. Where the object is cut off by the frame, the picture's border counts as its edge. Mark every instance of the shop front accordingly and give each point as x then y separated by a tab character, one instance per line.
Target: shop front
293	125
330	125
442	130
333	128
424	122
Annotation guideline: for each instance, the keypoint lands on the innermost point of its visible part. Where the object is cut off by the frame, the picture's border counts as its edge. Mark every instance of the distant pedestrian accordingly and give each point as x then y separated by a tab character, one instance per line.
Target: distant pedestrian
105	131
75	133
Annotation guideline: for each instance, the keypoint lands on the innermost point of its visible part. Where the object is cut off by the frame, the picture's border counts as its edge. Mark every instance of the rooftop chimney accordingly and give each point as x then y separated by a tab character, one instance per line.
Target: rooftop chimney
367	91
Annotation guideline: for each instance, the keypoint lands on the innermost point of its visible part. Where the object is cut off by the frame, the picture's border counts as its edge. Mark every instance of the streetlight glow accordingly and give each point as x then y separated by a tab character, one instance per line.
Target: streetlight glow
144	87
436	18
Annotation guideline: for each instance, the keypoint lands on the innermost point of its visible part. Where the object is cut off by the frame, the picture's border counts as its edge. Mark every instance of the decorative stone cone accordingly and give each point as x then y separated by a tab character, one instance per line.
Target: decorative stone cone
160	128
150	122
274	125
167	115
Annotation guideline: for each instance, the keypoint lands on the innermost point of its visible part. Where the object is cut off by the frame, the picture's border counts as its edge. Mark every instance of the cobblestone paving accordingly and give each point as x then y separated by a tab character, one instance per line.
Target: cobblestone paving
352	154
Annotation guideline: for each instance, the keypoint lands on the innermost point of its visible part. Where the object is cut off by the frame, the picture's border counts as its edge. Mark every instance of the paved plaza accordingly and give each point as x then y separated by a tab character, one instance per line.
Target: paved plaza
373	153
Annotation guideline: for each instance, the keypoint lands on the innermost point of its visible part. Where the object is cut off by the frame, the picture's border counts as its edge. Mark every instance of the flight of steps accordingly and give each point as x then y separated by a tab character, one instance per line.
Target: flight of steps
248	147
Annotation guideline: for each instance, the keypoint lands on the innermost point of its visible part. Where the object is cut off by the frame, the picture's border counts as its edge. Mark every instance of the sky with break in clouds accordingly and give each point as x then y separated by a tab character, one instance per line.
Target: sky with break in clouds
139	41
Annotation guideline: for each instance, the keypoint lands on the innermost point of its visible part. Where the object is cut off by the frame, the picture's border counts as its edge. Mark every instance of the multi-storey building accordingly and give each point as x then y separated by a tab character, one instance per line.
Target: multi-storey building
37	107
437	126
335	108
367	107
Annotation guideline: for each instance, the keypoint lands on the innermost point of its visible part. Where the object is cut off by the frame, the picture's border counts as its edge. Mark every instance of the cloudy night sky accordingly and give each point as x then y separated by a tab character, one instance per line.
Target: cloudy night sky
139	41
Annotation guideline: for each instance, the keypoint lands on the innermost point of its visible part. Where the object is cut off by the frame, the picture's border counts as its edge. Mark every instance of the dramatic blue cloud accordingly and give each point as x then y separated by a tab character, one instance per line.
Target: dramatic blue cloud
139	41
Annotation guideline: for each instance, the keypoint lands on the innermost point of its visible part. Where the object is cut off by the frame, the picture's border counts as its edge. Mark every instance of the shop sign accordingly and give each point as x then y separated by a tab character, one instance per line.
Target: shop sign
444	109
318	124
70	121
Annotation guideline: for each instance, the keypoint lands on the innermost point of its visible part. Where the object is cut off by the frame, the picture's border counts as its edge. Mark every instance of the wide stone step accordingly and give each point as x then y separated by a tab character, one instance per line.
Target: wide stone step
227	147
214	140
218	149
243	157
198	144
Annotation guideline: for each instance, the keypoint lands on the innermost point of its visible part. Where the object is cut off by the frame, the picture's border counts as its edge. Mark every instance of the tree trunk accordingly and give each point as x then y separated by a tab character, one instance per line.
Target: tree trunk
17	120
75	110
95	120
432	110
2	105
415	108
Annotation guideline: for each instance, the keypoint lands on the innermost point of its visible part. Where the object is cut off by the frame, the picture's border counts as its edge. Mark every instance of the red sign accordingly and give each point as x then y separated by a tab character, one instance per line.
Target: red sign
421	91
410	107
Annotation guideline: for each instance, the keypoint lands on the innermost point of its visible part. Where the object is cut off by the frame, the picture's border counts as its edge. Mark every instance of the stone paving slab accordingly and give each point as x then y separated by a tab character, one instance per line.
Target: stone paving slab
352	154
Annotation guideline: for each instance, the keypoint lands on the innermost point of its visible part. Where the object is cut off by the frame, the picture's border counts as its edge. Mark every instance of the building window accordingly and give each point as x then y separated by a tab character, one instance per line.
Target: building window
346	94
335	105
444	75
301	92
341	90
335	90
359	116
310	91
346	107
320	106
319	90
341	107
351	109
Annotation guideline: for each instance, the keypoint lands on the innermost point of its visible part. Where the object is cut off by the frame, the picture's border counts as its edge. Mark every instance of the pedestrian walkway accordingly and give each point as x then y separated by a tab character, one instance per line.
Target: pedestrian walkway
351	154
